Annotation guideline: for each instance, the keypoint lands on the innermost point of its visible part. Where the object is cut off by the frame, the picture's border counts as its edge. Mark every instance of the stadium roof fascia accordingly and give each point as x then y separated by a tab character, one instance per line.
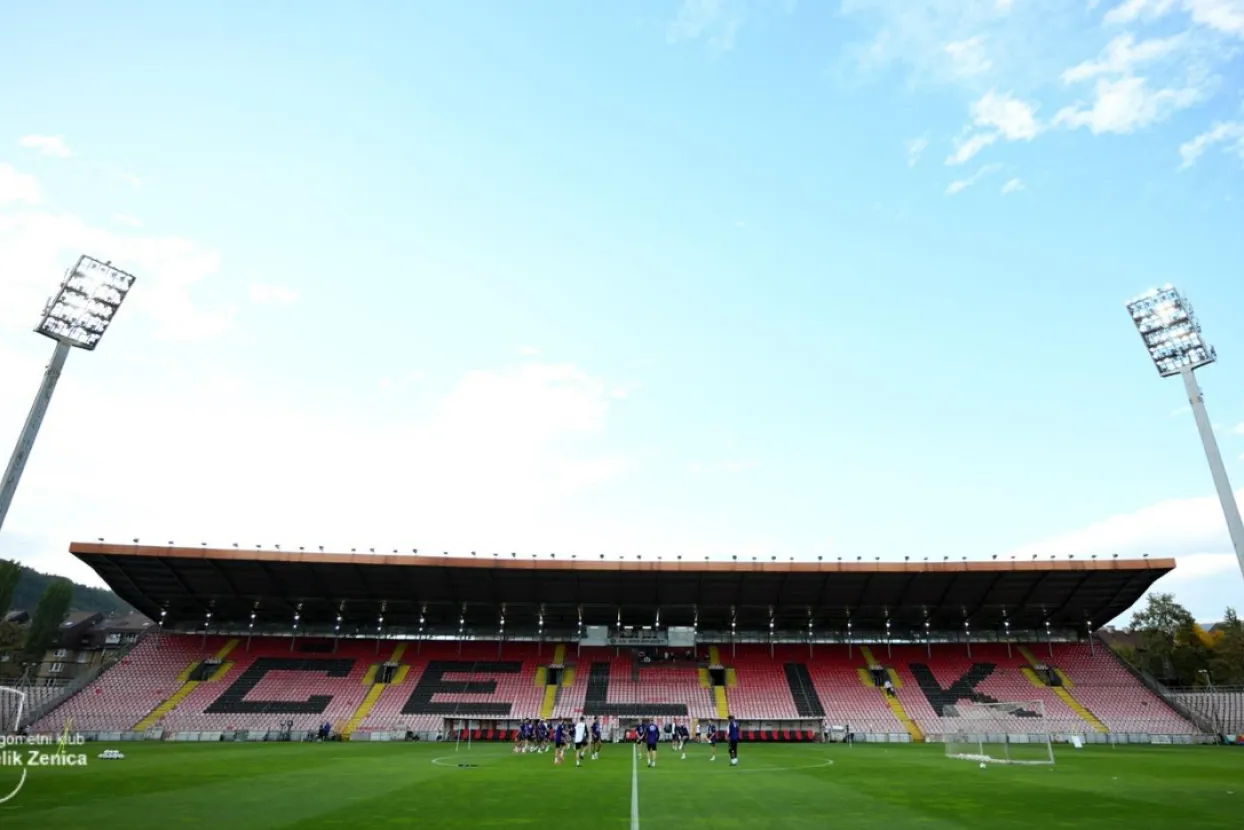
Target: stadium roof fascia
404	588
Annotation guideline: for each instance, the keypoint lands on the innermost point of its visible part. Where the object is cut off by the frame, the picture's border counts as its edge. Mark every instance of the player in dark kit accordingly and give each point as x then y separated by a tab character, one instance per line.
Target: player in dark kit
713	733
732	732
684	738
595	739
559	741
652	736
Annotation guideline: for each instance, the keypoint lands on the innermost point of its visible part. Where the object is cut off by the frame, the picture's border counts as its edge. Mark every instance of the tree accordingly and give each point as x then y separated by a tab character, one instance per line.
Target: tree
49	614
10	637
1227	664
1171	649
10	575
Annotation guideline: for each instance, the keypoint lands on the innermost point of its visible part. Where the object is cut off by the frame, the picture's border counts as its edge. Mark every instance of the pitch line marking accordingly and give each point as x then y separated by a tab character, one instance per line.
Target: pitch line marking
826	763
635	788
463	758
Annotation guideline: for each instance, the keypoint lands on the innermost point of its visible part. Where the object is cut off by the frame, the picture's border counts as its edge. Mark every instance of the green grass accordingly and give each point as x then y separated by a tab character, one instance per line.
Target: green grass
296	786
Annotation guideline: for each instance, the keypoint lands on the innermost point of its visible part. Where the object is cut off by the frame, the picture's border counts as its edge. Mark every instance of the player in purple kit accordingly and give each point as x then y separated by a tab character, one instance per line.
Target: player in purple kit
712	740
684	738
559	741
652	736
732	733
595	739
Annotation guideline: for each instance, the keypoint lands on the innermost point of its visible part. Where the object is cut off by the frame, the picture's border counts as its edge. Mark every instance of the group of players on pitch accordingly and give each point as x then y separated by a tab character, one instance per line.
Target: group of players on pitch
537	735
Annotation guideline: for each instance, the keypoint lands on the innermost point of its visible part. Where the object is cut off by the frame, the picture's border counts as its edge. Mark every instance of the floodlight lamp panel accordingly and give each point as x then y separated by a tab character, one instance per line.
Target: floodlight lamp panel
85	305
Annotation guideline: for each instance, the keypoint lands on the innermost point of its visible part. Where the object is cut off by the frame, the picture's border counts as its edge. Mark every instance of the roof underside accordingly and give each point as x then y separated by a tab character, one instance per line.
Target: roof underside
449	594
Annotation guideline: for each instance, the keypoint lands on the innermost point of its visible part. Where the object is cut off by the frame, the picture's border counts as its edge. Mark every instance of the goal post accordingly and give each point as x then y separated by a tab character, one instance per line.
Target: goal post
998	733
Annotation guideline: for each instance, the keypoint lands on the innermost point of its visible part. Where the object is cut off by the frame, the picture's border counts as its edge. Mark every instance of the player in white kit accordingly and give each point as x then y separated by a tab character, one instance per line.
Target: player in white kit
580	741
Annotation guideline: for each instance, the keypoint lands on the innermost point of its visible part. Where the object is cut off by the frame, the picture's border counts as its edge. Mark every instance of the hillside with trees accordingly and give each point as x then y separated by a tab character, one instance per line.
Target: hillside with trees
32	584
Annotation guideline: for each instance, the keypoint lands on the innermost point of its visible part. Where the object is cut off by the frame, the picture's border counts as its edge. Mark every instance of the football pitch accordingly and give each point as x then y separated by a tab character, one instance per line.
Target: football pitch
251	786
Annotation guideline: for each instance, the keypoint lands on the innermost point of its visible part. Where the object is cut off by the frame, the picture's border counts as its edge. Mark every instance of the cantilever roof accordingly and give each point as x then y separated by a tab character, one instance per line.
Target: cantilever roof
274	585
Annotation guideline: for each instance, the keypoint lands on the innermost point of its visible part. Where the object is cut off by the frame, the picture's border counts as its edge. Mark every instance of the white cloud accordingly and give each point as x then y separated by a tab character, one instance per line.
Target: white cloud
1013	118
967	147
265	293
1190	530
968	57
961	185
915	149
1130	11
127	220
995	116
1123	54
717	21
1239	429
493	466
1224	16
529	351
47	145
18	187
1012	186
1229	134
944	41
1126	105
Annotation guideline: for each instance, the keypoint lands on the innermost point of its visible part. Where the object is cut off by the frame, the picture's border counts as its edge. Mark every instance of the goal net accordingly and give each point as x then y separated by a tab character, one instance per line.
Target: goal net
998	733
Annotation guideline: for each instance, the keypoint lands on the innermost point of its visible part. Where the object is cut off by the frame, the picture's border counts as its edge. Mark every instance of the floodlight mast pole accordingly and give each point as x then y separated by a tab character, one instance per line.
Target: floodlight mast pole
77	317
1172	334
26	441
1226	496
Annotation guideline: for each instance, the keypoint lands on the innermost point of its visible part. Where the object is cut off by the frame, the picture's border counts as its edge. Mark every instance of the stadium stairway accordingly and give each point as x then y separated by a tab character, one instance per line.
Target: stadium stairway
376	689
892	700
720	700
187	686
550	692
1062	691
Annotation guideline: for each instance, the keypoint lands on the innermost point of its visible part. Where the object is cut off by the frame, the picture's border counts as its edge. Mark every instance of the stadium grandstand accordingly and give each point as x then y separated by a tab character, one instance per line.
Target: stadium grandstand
261	645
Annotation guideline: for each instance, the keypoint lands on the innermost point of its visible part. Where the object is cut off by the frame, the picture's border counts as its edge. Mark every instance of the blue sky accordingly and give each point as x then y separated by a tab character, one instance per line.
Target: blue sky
703	278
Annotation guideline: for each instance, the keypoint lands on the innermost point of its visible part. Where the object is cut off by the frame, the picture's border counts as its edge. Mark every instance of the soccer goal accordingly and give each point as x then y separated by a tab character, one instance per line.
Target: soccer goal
998	733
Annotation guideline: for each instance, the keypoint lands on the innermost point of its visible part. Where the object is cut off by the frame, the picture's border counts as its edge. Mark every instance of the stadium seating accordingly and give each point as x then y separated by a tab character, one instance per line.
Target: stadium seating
1111	692
847	701
263	684
1223	709
124	694
611	685
468	663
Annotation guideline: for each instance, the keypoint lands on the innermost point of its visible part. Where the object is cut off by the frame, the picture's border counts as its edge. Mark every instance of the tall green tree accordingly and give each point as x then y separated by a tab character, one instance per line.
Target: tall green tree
1172	652
10	575
1227	663
51	611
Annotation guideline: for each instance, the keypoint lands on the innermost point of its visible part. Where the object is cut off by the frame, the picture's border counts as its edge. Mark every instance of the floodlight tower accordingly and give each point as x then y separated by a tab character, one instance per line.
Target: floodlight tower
76	318
1172	333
